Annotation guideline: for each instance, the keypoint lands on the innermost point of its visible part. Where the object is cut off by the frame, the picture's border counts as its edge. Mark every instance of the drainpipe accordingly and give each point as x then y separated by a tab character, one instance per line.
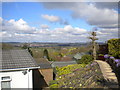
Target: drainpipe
28	78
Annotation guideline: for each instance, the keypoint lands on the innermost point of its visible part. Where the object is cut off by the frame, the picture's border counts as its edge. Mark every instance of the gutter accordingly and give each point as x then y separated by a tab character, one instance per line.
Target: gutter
18	69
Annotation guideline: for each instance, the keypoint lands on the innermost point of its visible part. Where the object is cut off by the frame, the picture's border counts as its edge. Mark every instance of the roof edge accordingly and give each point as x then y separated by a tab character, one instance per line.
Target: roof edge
18	69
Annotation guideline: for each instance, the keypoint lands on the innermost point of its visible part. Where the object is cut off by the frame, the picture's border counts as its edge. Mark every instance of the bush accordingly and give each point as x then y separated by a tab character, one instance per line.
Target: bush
85	59
101	55
53	82
114	47
68	69
54	86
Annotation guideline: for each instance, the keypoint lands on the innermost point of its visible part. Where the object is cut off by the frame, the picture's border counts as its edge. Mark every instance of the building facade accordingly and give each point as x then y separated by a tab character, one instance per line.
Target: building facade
16	69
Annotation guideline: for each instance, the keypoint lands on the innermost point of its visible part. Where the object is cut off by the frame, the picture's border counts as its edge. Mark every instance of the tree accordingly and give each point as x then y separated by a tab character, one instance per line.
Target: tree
46	55
114	47
30	51
25	46
93	38
85	59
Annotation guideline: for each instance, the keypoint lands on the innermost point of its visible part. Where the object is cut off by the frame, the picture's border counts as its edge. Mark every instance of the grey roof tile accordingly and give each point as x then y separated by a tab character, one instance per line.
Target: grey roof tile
43	63
12	59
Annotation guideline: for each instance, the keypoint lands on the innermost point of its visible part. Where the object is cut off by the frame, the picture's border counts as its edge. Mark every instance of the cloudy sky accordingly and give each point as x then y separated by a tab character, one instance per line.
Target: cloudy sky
58	21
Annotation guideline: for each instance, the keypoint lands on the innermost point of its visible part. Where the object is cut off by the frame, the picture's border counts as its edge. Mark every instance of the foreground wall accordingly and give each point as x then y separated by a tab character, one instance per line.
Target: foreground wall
17	79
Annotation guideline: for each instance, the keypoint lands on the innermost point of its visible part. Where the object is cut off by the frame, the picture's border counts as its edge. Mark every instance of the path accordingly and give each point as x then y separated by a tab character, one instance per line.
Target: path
108	74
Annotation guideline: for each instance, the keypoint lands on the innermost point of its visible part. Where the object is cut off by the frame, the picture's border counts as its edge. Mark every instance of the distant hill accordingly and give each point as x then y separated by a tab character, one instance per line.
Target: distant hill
50	44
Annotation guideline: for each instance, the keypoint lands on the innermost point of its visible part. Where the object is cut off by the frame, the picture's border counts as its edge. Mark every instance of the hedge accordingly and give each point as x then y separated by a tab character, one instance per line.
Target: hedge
85	59
114	47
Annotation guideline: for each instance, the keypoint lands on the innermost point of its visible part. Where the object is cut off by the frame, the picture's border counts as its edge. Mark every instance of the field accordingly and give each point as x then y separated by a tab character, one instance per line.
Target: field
56	53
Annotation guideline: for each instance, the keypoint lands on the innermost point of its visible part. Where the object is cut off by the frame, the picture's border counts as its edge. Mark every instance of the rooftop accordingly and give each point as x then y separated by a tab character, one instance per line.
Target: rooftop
16	59
43	63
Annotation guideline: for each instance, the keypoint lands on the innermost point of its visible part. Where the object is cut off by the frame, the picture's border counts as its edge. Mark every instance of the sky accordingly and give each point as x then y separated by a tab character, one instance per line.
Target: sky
64	22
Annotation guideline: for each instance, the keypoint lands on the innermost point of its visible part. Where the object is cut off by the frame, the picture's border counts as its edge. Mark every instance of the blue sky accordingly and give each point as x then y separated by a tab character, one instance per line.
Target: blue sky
31	13
57	22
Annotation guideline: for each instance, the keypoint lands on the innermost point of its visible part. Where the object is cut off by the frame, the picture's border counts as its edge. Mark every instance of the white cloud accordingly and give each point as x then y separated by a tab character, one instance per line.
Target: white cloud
5	34
44	26
106	34
1	20
51	18
70	30
96	16
101	15
66	34
18	25
54	19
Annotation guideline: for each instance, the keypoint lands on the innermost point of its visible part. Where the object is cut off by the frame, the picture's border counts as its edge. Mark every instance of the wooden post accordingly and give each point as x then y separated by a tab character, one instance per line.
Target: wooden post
93	38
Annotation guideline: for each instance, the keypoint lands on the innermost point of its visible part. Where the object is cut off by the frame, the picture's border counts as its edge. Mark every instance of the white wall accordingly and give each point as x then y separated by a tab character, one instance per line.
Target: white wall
18	79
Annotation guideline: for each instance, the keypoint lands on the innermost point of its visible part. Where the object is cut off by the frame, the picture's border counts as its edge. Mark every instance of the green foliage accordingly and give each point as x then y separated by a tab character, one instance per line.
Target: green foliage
30	51
37	52
101	54
54	86
56	53
68	69
114	47
78	76
85	59
6	46
46	54
53	82
25	46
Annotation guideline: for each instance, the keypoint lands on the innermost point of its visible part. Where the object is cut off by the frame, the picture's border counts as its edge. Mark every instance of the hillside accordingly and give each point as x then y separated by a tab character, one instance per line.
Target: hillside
79	76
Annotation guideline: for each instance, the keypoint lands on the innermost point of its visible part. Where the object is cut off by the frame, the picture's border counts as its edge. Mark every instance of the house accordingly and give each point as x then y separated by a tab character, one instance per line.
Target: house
66	58
78	56
45	69
16	70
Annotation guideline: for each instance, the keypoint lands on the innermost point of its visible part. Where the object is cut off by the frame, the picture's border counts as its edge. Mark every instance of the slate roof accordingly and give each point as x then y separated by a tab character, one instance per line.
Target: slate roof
61	64
79	55
43	63
16	59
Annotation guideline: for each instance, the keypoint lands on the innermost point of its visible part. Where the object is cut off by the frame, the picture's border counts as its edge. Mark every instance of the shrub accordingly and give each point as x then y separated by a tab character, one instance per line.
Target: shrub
112	58
53	82
54	86
106	56
114	47
68	69
85	59
100	55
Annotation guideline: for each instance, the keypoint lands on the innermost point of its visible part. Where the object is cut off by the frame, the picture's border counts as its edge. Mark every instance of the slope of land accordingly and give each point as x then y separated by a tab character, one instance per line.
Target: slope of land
79	76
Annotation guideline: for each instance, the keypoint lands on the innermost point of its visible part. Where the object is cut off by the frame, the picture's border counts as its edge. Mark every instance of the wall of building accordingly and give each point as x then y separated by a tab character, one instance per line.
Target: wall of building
38	80
18	79
47	74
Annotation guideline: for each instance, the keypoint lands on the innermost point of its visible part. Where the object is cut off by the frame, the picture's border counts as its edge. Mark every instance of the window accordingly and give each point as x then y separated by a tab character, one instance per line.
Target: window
5	82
